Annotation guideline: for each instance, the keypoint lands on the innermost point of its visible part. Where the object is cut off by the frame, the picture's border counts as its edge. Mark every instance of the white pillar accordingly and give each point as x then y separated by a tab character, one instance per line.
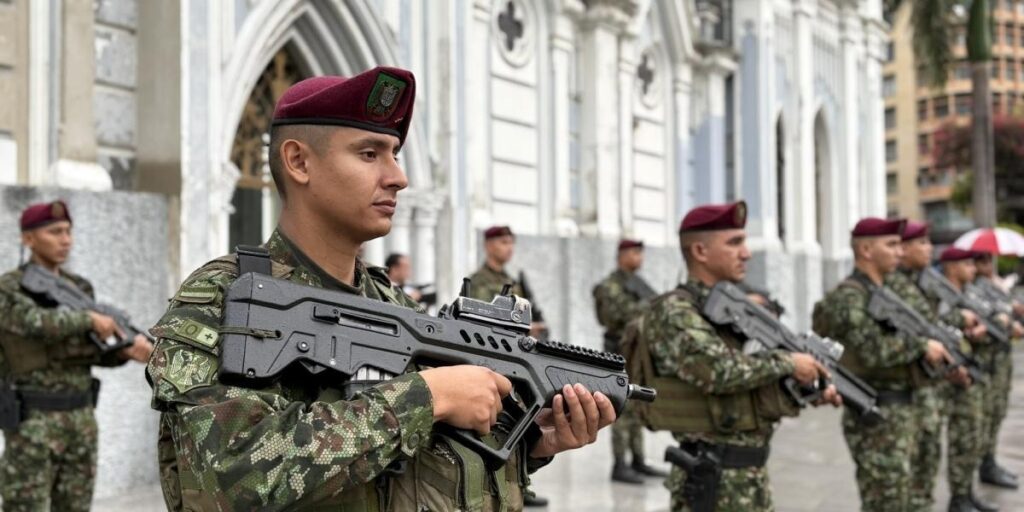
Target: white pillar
477	112
682	177
40	97
627	76
848	181
873	191
806	200
400	238
563	51
425	228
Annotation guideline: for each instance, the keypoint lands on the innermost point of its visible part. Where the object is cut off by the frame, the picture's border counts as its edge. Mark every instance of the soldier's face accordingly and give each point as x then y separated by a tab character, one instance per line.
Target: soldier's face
984	266
500	248
354	184
917	253
886	252
632	259
51	244
401	272
727	254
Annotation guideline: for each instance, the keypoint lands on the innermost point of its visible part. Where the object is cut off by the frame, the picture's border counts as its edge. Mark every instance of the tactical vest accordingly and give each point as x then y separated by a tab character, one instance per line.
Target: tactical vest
25	355
909	374
684	408
443	475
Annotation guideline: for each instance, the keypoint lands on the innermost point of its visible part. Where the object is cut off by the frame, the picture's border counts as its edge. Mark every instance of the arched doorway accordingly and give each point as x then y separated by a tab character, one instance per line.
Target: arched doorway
255	205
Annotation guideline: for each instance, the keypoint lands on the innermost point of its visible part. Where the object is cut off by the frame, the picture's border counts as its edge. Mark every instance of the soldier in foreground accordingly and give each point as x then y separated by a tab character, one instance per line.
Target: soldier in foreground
619	298
300	443
887	360
48	394
997	399
719	402
489	280
966	408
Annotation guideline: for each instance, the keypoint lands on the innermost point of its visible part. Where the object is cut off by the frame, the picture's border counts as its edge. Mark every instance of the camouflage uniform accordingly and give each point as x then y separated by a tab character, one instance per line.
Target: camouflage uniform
616	306
297	443
884	453
683	344
930	401
1000	383
487	282
49	461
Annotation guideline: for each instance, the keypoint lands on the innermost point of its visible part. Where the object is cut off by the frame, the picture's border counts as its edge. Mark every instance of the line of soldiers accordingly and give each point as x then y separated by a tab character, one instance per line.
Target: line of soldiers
301	442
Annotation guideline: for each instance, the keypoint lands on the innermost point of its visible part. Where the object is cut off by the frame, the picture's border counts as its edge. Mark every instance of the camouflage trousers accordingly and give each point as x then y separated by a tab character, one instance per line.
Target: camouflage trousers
924	467
883	455
49	462
997	400
964	435
628	432
739	490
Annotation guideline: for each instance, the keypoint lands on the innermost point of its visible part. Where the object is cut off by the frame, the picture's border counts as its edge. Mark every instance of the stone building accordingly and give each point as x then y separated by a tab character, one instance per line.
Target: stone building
573	121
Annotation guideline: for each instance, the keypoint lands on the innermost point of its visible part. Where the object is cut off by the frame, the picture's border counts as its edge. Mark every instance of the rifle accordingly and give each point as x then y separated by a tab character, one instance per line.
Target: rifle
932	282
638	287
728	305
273	325
886	307
48	286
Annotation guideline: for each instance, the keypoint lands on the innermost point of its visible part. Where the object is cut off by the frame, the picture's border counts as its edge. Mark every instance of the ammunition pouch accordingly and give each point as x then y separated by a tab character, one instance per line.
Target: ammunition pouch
703	463
10	408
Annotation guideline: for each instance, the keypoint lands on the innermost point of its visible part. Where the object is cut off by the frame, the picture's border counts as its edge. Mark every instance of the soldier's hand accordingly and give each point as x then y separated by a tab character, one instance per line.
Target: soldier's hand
104	326
536	328
959	376
467	396
561	430
1018	330
139	350
830	396
1018	308
807	369
970	318
1003	319
977	332
937	355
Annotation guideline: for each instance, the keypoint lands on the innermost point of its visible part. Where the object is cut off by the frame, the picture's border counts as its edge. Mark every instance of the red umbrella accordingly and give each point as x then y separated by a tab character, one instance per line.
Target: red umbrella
999	241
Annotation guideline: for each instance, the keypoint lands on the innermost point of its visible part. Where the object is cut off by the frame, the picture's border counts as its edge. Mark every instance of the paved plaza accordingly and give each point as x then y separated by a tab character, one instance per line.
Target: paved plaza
810	467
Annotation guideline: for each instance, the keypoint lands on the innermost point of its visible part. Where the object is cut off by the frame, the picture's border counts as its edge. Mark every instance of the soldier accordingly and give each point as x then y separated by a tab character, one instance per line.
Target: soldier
489	280
723	403
399	272
997	400
300	443
967	421
887	360
619	298
932	399
48	393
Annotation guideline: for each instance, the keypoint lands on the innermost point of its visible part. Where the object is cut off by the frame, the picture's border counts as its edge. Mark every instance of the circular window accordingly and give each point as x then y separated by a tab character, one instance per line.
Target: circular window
513	21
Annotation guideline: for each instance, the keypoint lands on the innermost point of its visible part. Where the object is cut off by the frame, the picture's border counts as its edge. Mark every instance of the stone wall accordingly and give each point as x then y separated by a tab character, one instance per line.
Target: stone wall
121	247
114	97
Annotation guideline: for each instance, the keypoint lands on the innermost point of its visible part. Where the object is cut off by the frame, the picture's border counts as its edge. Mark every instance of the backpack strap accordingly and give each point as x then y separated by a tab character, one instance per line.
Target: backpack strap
253	258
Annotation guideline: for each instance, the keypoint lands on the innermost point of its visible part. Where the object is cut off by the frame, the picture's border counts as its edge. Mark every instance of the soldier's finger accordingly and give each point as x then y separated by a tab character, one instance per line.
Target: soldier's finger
608	415
558	415
577	420
593	416
822	371
504	385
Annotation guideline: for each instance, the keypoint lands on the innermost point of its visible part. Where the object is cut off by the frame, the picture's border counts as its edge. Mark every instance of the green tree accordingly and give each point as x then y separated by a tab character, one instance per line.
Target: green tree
934	26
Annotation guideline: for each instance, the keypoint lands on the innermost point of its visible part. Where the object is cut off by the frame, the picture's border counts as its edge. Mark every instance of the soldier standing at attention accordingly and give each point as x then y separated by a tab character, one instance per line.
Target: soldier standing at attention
997	401
300	443
619	298
887	360
48	392
723	404
967	421
489	280
931	399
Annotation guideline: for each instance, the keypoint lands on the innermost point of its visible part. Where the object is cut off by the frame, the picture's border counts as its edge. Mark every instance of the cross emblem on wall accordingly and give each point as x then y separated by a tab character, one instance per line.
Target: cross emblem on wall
510	26
645	73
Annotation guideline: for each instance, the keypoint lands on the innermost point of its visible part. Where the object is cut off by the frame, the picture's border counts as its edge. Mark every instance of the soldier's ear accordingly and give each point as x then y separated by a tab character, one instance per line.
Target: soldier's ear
295	156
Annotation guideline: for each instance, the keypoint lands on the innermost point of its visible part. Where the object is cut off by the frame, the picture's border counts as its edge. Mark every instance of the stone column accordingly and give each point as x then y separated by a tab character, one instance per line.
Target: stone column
873	132
684	174
709	171
477	112
399	240
627	76
424	230
563	50
76	165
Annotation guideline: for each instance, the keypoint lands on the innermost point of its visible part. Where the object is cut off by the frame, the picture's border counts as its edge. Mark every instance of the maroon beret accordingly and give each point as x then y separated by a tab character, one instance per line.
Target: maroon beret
496	231
44	214
914	229
626	243
956	254
874	226
715	217
379	100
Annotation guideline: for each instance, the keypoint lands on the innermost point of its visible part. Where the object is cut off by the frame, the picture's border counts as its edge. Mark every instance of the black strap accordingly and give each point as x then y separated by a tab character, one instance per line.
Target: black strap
252	258
55	401
731	456
895	398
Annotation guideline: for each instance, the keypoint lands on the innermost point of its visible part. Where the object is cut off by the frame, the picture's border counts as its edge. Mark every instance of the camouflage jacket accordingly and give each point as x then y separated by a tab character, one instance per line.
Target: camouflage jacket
295	444
683	343
842	315
487	282
616	305
57	335
904	283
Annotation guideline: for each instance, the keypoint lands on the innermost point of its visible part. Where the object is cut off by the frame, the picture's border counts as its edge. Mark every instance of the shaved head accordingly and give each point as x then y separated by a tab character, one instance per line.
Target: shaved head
316	137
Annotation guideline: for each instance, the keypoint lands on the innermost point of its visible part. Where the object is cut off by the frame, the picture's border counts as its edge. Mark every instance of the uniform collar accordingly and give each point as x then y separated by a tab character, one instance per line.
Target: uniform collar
284	251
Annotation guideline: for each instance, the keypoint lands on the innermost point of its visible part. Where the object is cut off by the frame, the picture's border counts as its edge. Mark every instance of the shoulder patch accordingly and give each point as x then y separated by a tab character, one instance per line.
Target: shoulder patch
196	332
197	294
188	369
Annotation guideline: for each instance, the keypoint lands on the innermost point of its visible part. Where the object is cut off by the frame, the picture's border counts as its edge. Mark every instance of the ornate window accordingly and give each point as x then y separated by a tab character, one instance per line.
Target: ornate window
648	78
255	199
513	31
